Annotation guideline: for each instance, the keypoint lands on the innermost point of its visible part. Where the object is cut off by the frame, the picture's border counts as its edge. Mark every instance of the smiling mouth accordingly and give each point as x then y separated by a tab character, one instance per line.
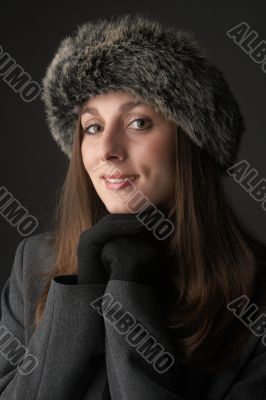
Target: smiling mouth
118	183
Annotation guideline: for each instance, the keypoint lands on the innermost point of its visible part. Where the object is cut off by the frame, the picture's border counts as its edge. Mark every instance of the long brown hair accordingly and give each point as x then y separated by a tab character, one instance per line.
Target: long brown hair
217	256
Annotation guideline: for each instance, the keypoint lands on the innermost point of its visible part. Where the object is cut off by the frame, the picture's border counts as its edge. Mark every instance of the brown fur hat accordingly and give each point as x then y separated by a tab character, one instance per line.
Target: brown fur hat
160	64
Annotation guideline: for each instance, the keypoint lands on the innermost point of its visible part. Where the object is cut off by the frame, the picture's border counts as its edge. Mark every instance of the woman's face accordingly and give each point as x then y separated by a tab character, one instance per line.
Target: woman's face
130	140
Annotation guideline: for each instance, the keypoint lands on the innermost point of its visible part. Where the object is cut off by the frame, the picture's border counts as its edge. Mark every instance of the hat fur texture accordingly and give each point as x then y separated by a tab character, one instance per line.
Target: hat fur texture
159	64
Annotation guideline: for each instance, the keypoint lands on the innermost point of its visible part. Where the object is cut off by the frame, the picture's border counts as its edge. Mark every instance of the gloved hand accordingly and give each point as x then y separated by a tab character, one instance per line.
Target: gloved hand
92	241
137	256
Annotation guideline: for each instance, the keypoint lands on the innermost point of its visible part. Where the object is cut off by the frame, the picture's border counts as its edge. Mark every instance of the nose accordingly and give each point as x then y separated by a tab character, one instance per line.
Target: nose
112	144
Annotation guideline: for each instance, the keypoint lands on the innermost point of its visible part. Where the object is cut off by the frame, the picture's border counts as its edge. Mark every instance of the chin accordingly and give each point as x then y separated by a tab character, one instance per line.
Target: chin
117	209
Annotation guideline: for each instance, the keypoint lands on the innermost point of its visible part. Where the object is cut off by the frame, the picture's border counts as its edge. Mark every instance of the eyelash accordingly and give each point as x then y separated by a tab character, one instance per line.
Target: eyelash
85	130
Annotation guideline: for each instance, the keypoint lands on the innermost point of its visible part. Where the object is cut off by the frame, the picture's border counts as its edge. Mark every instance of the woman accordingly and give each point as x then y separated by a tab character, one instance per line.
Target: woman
137	291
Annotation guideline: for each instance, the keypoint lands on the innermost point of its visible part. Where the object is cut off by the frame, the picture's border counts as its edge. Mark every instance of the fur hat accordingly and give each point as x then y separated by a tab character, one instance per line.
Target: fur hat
159	64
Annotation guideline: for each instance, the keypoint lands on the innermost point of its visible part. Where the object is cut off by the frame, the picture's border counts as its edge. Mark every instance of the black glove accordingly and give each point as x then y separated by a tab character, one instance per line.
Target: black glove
137	256
92	241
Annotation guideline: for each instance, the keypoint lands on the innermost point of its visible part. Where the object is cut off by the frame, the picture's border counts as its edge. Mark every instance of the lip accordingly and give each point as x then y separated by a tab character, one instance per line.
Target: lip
117	186
117	176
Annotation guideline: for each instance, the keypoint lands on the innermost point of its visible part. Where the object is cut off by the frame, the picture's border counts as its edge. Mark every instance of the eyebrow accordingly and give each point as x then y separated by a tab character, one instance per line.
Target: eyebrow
124	107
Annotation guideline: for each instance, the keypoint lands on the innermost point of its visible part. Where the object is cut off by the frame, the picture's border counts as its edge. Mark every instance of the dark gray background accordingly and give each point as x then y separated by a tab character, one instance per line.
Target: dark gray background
31	164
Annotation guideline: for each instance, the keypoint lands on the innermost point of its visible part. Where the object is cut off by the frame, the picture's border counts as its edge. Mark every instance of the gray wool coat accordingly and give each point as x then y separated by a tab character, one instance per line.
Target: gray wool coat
81	351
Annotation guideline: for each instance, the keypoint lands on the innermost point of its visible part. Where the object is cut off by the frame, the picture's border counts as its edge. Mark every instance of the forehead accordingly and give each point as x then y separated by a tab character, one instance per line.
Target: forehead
118	101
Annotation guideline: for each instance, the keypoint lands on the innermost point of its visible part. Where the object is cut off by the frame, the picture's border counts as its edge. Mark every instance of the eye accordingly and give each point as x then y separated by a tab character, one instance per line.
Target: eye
141	125
86	130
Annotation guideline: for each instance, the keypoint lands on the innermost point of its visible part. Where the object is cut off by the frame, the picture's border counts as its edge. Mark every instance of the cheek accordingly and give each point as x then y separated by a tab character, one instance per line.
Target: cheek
158	154
87	156
83	150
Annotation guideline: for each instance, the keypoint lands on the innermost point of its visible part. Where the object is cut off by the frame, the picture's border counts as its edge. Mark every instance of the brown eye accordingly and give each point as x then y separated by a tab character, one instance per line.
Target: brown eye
140	125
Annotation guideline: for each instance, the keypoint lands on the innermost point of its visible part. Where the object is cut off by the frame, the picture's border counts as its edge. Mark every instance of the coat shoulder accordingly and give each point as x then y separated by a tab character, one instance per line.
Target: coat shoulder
36	261
38	251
